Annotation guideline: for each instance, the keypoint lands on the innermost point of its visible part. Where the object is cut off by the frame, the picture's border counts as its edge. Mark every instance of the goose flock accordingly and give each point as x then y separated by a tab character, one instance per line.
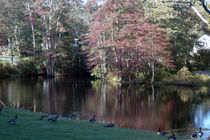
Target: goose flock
195	134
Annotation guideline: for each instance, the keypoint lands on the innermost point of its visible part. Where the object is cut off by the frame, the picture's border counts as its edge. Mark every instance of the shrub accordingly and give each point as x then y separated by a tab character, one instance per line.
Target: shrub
27	67
161	74
183	74
6	69
97	73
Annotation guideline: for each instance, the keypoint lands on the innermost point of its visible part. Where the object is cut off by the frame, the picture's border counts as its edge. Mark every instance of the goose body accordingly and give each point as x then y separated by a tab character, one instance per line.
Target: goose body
93	119
194	135
13	121
68	116
54	119
161	133
1	110
172	137
44	116
109	125
200	133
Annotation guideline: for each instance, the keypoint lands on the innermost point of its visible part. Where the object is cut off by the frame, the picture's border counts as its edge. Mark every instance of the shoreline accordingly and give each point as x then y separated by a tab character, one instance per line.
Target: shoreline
190	83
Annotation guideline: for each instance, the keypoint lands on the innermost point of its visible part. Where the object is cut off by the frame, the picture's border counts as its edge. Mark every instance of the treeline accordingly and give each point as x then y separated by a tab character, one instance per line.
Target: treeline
144	40
45	34
123	40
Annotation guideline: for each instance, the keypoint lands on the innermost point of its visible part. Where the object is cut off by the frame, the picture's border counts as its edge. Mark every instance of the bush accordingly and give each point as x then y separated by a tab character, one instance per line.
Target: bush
27	67
161	74
97	73
183	75
6	69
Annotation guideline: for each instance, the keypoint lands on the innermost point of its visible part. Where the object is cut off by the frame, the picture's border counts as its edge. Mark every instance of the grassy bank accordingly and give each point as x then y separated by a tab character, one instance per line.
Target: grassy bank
29	127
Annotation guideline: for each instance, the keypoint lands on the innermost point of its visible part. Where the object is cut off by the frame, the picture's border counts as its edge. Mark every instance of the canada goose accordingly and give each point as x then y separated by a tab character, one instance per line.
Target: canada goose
68	116
172	137
200	133
194	135
54	119
13	121
109	125
1	110
44	116
93	119
161	133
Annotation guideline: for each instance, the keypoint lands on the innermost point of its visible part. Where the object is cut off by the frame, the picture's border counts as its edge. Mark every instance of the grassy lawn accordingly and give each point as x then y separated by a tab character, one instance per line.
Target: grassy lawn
28	127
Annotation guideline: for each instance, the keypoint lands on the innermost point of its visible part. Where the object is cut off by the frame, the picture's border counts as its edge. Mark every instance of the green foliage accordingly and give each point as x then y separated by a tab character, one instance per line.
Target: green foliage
201	60
199	79
68	24
161	74
185	77
27	67
183	74
6	69
182	24
97	73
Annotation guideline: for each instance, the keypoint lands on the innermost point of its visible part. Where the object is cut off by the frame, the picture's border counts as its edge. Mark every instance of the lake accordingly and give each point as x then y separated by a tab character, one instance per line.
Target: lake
182	109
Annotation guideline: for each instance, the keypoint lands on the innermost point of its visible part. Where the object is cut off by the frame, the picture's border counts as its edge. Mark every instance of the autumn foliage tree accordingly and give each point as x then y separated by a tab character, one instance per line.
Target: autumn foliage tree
120	39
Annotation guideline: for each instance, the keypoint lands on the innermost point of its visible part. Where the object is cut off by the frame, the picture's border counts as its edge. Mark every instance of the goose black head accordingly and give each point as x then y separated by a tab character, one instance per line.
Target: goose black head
172	133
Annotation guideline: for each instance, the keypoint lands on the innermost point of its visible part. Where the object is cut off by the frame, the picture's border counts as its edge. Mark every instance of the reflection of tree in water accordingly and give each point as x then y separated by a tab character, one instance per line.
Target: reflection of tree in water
129	106
188	102
56	96
21	93
143	107
63	95
141	110
140	107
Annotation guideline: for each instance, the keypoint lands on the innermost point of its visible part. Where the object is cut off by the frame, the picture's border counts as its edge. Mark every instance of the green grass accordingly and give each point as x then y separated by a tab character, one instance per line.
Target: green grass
28	127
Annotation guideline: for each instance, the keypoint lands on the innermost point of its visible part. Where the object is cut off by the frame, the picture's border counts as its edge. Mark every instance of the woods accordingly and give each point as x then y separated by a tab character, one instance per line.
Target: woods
42	31
131	40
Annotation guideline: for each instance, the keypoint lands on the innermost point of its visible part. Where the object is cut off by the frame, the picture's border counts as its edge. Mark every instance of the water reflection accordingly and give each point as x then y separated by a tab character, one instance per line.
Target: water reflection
139	107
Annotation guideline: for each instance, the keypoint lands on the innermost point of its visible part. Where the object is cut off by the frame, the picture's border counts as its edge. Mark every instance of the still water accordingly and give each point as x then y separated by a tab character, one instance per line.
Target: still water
182	109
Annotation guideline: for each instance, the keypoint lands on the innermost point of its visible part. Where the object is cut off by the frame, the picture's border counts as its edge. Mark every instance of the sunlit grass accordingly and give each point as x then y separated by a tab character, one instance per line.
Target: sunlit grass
28	127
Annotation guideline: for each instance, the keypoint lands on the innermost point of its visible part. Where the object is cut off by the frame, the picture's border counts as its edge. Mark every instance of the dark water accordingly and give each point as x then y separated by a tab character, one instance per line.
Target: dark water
182	109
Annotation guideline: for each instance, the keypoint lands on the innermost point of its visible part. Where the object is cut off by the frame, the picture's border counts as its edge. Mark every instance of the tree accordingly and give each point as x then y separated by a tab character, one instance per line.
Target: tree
44	29
182	25
29	11
51	12
205	6
201	60
119	34
11	21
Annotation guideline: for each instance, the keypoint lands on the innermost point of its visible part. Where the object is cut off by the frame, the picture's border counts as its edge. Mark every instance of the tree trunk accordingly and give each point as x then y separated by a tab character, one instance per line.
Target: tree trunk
153	72
32	29
11	49
50	59
17	43
50	66
103	64
102	56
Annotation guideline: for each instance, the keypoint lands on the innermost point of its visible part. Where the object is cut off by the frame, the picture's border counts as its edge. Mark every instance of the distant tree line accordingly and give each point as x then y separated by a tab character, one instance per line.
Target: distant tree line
119	38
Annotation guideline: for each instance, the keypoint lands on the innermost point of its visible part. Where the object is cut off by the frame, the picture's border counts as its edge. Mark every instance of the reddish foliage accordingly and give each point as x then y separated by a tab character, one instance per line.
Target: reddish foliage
120	26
